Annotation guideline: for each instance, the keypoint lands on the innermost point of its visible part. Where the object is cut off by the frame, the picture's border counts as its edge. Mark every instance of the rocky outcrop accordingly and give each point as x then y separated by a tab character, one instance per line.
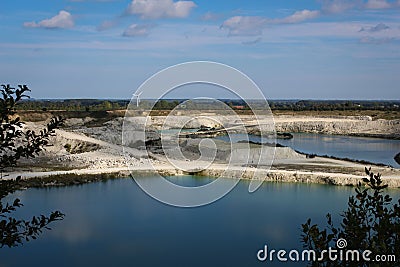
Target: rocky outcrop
343	126
397	158
295	177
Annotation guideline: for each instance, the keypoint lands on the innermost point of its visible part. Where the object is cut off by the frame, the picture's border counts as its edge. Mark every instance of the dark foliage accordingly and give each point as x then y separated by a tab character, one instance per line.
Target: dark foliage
371	222
86	105
14	232
15	143
338	105
236	104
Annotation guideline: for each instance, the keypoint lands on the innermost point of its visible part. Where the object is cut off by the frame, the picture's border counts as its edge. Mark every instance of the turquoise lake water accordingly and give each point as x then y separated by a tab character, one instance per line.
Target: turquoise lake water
114	223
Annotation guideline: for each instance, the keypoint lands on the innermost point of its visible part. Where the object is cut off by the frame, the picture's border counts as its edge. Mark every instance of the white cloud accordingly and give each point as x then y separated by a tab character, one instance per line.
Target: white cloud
244	25
377	4
62	20
168	42
155	9
253	25
135	30
299	16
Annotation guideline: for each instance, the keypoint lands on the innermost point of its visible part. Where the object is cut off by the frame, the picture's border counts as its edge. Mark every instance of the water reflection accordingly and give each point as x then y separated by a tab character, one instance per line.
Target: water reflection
116	224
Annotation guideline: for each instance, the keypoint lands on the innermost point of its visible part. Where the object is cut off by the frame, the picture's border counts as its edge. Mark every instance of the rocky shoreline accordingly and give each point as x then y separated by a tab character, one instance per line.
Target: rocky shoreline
73	178
83	154
351	126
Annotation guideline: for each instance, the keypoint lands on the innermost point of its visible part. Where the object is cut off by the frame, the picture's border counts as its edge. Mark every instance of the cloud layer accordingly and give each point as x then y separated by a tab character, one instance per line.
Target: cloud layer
135	30
244	25
377	4
376	41
340	6
63	20
107	24
379	27
299	16
253	25
155	9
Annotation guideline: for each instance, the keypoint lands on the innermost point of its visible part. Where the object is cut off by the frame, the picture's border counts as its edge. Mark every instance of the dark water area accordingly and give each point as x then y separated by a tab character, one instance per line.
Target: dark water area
114	223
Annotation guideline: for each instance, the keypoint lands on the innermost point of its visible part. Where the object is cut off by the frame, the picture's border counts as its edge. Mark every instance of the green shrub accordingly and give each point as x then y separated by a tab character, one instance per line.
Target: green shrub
371	222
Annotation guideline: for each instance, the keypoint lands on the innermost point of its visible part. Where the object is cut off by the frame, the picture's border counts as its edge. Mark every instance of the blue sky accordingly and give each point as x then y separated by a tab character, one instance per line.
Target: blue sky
320	49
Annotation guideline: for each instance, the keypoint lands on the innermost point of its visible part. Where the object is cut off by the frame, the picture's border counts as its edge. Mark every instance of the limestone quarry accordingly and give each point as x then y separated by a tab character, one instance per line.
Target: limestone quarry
81	150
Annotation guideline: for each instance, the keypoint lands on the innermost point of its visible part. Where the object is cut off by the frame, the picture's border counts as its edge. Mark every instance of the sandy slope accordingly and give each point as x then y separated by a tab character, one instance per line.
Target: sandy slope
106	157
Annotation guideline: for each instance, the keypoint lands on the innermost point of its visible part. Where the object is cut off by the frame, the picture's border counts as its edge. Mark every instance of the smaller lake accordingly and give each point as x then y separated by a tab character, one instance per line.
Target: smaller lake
376	150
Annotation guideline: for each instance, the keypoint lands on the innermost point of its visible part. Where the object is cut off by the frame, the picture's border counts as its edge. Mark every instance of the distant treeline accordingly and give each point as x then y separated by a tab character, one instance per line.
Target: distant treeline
168	104
324	105
73	105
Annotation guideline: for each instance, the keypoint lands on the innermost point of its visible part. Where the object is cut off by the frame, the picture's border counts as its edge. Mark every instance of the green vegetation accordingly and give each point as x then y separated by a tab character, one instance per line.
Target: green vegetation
14	145
103	110
81	147
71	179
338	105
68	147
72	105
168	104
371	222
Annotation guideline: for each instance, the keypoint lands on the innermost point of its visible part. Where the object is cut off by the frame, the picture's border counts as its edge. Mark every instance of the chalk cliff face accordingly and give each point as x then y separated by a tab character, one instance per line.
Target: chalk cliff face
344	126
360	126
353	125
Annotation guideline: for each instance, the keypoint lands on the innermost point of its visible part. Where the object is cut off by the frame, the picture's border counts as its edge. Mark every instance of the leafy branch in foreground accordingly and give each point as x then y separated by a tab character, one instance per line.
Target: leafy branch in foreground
15	232
14	145
371	222
14	142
